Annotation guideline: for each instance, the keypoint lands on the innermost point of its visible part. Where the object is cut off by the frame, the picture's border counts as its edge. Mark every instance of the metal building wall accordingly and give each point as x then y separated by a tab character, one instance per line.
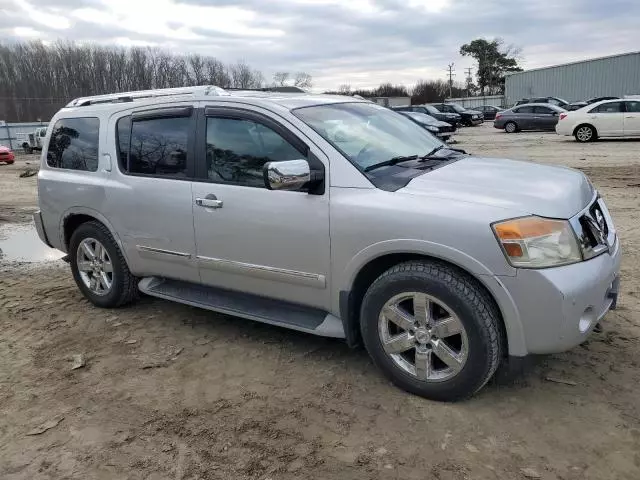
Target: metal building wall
470	102
617	75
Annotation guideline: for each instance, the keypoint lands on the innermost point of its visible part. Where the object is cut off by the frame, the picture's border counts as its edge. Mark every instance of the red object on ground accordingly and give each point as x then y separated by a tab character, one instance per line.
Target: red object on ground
6	155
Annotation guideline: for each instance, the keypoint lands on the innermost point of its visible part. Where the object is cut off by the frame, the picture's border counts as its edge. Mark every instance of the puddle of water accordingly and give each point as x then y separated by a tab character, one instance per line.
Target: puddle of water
20	243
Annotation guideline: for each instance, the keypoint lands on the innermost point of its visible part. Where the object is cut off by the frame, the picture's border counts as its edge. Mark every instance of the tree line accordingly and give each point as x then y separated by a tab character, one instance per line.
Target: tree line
36	79
424	91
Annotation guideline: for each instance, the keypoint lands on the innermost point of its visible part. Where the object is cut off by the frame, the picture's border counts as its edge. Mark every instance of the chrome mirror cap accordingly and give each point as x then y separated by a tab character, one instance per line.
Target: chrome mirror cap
287	175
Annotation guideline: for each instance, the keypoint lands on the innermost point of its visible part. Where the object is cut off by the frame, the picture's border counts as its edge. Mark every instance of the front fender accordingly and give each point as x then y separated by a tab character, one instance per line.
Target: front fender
510	314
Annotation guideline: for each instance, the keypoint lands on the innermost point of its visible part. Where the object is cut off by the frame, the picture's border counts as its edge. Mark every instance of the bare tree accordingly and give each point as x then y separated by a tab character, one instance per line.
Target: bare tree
303	80
280	79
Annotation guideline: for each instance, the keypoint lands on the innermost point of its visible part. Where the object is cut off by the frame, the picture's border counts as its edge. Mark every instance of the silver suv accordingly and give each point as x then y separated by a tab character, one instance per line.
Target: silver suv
332	216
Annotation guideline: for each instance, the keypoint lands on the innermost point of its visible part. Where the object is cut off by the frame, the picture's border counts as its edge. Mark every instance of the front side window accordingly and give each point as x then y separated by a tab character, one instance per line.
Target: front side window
367	134
612	107
237	150
633	107
74	144
159	146
455	108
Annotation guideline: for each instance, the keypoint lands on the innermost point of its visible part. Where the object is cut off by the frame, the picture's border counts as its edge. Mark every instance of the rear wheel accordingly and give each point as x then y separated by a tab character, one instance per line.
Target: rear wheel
585	133
510	127
99	268
432	330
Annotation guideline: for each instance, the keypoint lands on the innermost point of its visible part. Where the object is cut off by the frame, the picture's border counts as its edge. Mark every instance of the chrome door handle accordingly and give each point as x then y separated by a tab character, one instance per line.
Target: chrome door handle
209	202
630	117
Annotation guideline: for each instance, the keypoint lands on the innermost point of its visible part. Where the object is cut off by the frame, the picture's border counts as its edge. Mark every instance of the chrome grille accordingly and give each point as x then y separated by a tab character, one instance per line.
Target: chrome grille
595	230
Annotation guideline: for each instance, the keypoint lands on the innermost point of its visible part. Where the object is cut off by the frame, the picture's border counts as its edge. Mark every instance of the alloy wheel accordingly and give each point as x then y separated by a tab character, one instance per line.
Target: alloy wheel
423	336
94	266
584	134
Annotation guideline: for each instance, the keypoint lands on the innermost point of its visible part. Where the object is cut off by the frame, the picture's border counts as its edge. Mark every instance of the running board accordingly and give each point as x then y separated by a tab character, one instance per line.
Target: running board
253	307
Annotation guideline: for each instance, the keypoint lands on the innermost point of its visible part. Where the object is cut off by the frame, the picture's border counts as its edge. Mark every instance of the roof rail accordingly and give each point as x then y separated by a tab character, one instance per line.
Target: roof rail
140	94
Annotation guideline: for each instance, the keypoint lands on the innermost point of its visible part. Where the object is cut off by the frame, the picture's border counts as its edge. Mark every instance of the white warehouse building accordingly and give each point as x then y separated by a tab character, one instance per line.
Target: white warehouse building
615	75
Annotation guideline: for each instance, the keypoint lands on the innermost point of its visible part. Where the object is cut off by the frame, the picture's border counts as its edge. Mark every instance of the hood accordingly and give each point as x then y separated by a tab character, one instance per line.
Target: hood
449	115
530	188
473	112
434	123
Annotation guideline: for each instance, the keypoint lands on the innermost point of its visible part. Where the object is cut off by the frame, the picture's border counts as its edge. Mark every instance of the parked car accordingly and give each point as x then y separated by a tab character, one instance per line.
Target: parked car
489	111
31	142
600	99
469	117
558	102
452	118
440	129
6	155
332	216
575	106
531	116
608	118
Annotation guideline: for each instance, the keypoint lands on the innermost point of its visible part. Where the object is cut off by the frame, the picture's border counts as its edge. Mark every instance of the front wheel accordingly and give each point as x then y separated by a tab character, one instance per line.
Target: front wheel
432	330
99	268
585	133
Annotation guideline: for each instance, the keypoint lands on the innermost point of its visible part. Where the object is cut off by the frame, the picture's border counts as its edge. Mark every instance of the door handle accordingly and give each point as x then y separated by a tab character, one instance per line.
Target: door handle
209	202
630	116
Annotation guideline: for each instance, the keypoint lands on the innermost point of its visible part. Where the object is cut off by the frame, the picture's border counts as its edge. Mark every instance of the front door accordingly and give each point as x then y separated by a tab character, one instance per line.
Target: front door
608	119
632	118
149	198
248	238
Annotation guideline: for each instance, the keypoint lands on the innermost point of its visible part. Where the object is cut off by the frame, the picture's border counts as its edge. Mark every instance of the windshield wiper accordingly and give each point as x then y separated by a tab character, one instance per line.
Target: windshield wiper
431	154
391	161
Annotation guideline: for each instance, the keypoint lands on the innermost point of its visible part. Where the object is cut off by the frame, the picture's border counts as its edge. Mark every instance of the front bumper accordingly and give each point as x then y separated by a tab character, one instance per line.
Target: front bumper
475	121
559	307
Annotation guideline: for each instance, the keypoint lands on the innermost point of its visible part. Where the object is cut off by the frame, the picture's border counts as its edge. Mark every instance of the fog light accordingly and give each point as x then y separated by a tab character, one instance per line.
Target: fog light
587	319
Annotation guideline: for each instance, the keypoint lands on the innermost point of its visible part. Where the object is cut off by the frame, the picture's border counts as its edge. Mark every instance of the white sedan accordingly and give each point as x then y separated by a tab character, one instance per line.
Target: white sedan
609	118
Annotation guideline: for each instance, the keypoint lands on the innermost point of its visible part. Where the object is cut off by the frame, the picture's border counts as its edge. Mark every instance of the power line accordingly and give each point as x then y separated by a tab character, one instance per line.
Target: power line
469	80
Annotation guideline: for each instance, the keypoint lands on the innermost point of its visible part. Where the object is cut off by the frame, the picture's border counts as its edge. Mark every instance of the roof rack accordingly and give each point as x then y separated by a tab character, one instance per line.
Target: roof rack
140	94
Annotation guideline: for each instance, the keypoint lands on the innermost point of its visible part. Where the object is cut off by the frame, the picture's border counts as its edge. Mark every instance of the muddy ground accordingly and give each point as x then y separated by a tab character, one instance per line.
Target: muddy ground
172	392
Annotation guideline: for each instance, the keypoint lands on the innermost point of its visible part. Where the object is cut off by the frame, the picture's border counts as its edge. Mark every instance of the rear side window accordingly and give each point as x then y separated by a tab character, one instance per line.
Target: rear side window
74	144
633	107
612	107
524	110
544	110
155	143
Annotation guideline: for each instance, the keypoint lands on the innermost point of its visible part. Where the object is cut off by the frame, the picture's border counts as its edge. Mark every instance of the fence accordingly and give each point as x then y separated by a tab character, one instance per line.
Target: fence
9	132
470	102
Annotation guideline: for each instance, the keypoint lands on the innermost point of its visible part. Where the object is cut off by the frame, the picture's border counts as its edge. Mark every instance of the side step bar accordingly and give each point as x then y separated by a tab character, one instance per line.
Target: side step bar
253	307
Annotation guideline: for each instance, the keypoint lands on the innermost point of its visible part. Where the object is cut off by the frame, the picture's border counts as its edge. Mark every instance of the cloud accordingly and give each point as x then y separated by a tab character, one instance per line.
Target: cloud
360	42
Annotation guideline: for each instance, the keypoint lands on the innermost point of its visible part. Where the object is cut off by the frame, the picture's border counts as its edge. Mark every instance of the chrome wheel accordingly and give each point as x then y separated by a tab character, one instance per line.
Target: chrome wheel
94	266
584	134
423	336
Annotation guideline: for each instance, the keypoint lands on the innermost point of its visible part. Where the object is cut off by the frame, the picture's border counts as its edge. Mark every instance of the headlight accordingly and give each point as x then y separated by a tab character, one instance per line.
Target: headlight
534	242
433	129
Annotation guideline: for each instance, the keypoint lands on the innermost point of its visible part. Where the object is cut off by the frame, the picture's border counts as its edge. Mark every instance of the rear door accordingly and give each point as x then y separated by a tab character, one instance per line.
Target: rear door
149	201
545	118
524	117
608	118
632	118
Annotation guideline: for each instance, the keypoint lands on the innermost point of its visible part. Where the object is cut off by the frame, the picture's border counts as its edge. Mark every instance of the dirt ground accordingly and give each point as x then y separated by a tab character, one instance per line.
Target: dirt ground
173	392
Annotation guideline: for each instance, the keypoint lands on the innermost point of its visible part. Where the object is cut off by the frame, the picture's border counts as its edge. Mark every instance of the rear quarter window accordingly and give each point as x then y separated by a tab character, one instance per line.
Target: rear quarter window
74	144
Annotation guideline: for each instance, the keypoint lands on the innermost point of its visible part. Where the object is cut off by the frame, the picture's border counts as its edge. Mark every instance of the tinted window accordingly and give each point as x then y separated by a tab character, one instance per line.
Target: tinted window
543	110
238	149
613	107
524	110
74	144
633	107
159	146
123	132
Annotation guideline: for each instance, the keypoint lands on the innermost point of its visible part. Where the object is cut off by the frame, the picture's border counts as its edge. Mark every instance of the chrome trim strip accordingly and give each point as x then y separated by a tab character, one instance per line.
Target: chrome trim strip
143	248
262	271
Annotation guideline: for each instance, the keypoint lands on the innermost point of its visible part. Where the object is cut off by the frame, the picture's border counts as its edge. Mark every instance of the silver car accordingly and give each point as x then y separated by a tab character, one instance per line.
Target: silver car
532	116
332	216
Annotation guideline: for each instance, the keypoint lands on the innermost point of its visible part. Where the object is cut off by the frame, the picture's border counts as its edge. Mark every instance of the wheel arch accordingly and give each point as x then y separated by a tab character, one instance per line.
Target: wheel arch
360	278
76	216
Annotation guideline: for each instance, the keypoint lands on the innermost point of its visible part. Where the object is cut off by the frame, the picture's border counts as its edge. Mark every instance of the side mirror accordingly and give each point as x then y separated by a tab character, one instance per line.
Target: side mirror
286	175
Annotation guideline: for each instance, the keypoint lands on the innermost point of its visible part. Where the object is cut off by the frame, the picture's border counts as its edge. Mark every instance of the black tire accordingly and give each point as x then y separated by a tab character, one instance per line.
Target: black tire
585	134
511	127
124	288
28	150
469	301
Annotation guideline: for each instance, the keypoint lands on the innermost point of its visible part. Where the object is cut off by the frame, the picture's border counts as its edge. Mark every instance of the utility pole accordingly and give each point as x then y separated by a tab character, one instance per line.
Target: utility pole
469	81
451	75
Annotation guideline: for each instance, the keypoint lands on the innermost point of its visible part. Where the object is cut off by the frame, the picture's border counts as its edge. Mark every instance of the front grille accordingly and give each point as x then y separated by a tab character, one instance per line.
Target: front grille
595	230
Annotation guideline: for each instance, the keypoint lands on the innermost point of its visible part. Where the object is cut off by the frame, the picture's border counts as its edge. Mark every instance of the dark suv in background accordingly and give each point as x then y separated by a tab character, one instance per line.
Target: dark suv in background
452	118
558	102
469	117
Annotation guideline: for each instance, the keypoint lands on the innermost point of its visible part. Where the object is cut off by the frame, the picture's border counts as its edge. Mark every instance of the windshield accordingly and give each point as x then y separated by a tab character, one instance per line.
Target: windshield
457	108
432	110
421	117
367	134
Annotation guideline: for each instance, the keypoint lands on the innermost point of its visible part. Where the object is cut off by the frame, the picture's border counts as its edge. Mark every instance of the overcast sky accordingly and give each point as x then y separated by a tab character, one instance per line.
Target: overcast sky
359	42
